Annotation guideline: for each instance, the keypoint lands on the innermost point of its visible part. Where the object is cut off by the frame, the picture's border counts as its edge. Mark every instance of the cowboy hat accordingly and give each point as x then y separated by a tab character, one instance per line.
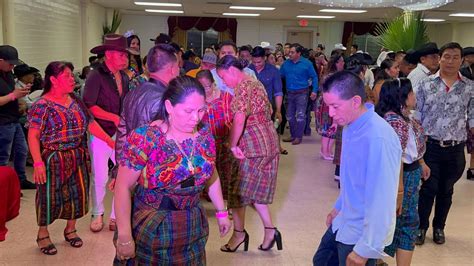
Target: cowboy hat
114	42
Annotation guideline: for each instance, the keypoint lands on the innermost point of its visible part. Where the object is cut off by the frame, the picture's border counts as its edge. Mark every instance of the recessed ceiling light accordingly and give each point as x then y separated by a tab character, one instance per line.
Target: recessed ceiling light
309	16
433	19
331	10
157	4
252	7
241	14
469	15
164	11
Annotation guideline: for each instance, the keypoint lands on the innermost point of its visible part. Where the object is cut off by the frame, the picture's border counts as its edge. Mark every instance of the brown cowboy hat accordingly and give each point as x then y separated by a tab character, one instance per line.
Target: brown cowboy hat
114	42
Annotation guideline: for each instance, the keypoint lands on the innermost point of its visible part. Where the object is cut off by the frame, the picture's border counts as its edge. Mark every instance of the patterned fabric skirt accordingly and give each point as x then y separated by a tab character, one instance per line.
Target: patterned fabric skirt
338	146
65	194
255	181
323	120
408	222
224	161
164	237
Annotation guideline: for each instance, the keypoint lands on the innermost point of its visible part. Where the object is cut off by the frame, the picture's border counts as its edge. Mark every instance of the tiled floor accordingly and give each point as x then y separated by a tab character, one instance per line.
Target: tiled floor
304	196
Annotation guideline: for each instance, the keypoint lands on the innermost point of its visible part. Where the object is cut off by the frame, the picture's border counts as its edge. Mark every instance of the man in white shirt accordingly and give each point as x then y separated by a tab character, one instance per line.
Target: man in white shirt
428	63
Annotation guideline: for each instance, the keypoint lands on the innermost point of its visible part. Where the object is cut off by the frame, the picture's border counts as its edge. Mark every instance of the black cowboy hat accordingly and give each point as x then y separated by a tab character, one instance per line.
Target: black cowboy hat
113	42
427	49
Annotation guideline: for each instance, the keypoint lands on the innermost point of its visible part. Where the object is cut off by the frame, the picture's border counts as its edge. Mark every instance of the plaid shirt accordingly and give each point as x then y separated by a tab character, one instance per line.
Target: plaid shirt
445	111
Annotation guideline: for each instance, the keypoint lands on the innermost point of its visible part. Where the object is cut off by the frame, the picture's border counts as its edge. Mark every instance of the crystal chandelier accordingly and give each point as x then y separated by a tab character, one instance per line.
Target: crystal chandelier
411	5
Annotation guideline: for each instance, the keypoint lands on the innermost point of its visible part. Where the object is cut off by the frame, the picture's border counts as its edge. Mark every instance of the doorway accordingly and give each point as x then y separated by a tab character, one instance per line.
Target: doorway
305	38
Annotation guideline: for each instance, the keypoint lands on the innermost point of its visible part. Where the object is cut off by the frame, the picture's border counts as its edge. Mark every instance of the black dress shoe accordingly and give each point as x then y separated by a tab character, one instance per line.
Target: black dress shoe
420	237
438	236
25	184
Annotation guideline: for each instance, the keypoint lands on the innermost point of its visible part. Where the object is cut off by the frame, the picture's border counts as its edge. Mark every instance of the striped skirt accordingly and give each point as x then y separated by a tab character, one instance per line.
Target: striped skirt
164	237
255	181
65	194
224	161
408	222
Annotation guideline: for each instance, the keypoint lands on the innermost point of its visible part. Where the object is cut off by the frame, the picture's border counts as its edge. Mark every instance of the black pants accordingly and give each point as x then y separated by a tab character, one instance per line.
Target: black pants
447	166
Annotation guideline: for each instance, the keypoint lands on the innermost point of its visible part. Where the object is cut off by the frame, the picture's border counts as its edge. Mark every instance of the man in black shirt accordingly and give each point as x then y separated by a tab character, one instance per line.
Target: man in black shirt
11	133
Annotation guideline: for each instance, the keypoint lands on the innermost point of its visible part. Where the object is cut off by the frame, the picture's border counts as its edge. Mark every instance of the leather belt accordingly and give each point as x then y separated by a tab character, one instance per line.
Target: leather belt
444	143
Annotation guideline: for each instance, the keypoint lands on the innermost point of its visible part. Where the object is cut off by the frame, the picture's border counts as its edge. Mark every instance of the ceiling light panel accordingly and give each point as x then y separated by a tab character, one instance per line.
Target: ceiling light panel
310	16
165	11
332	10
252	8
241	14
158	4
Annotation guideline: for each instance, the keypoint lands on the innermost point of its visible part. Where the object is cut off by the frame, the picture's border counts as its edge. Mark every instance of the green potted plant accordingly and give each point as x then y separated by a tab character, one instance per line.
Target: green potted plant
116	20
407	31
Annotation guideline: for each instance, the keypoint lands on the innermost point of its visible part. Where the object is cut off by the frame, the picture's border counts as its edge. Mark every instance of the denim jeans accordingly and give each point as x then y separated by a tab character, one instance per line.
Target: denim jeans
13	139
296	113
333	253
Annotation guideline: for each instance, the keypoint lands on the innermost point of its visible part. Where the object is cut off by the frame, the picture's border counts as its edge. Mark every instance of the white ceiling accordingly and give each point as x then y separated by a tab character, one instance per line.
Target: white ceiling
285	9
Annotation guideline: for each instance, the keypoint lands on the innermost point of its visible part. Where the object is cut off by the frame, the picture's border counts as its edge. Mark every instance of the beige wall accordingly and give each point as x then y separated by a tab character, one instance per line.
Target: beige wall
146	27
451	32
93	18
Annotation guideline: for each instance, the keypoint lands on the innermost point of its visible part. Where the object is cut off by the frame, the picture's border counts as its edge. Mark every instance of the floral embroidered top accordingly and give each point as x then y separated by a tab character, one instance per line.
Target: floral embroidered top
402	128
162	163
251	99
219	116
62	128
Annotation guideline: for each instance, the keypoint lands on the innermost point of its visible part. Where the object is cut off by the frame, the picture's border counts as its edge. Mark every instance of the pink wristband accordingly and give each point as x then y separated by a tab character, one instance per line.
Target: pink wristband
12	96
220	215
38	164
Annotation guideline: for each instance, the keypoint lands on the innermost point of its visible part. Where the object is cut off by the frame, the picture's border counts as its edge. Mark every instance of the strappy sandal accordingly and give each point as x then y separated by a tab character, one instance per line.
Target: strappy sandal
49	249
284	152
75	242
227	248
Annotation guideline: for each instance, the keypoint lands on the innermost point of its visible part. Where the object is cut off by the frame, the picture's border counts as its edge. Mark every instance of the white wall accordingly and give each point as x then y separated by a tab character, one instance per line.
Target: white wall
254	31
249	31
463	33
93	18
146	27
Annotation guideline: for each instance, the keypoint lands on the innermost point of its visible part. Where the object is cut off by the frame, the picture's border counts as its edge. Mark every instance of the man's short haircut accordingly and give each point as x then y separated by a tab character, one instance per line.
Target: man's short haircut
230	43
298	47
92	59
160	56
289	44
450	45
355	46
245	48
345	84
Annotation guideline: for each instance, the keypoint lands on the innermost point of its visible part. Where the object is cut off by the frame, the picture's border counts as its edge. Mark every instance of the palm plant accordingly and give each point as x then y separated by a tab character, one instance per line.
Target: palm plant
116	20
407	31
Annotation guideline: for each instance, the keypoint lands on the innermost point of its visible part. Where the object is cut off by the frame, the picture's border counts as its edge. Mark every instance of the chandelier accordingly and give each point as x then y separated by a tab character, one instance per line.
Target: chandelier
411	5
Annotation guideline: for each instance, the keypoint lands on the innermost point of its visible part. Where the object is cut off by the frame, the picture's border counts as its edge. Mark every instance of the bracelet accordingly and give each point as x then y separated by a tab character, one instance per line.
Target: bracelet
38	164
12	96
220	215
126	243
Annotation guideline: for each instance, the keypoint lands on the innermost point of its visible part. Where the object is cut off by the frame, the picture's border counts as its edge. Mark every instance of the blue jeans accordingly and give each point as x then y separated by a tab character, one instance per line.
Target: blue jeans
333	253
13	139
296	113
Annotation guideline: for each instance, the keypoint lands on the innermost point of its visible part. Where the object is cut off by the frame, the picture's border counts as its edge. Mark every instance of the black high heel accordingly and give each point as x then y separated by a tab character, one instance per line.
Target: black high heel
227	248
276	239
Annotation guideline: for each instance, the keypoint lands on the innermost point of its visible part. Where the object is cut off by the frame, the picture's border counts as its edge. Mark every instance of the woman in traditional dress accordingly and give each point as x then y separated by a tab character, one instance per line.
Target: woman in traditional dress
168	163
57	125
219	119
396	101
254	142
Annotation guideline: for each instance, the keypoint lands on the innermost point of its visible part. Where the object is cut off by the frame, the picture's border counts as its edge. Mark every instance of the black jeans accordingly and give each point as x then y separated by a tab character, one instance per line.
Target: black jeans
447	166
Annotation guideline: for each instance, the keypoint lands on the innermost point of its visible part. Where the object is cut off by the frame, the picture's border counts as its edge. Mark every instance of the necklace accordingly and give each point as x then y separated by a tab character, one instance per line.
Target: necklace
191	156
61	100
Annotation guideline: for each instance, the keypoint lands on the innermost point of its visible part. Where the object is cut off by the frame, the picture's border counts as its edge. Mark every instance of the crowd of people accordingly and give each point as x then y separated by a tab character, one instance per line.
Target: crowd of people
167	130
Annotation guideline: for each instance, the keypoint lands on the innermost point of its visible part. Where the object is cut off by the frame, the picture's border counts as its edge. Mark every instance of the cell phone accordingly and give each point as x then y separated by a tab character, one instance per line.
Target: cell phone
20	84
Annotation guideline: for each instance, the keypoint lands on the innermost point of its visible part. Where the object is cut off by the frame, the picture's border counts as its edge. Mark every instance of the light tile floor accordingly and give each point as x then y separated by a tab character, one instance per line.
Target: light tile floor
305	194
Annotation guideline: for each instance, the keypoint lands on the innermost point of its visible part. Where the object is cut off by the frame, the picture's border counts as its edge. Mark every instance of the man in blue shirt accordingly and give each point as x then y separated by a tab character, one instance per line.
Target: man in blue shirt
298	72
362	222
270	77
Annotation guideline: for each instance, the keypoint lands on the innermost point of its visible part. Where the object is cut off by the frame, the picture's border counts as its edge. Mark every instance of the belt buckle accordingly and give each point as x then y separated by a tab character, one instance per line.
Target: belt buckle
441	143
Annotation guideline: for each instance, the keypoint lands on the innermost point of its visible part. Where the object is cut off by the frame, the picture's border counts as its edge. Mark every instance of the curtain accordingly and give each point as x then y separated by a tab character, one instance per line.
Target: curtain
180	37
221	25
357	28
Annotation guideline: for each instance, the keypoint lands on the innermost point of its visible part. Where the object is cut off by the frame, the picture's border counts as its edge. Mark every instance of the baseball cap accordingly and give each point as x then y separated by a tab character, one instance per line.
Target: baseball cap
10	54
209	58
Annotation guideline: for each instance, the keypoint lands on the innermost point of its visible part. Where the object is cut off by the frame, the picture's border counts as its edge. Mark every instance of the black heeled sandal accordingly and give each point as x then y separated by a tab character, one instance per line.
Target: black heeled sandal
75	242
227	248
49	249
276	239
